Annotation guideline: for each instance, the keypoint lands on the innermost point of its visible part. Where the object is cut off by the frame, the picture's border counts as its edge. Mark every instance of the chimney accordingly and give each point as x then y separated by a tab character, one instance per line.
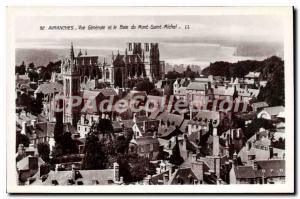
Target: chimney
226	148
166	178
134	117
24	126
249	144
217	166
121	180
73	172
189	129
116	172
216	144
33	163
82	119
90	120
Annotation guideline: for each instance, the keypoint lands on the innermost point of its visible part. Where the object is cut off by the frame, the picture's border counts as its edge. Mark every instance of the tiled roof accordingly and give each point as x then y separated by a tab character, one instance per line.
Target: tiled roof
87	94
253	74
222	90
24	163
172	118
108	92
209	115
171	131
245	172
266	168
146	140
85	176
275	110
49	88
196	86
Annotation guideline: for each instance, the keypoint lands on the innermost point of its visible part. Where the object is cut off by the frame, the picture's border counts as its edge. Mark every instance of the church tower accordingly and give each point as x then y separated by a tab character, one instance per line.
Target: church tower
71	82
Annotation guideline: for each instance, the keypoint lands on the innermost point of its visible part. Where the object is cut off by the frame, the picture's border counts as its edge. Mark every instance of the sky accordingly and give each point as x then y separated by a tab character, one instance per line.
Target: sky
209	38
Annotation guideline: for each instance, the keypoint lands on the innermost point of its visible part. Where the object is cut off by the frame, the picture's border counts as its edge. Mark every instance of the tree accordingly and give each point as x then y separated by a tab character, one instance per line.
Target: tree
69	145
162	155
94	157
105	127
44	151
155	92
134	168
172	75
22	139
255	125
144	85
59	126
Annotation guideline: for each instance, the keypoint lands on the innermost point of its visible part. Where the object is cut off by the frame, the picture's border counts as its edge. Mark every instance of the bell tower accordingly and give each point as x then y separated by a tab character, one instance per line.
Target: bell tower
71	82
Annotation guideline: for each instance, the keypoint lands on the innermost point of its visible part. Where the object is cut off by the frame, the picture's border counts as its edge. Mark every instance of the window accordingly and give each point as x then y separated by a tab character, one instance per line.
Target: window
147	47
107	74
130	47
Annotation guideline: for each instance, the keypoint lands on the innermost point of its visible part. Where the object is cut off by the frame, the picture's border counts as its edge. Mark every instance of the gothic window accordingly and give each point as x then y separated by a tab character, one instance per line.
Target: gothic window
67	87
107	74
147	47
100	73
130	47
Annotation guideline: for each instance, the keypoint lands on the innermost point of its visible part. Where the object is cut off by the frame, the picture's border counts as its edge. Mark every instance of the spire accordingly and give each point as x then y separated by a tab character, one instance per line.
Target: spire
112	55
80	53
72	56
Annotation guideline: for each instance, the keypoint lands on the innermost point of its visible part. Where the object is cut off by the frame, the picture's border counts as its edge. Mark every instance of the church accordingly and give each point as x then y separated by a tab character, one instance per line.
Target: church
139	62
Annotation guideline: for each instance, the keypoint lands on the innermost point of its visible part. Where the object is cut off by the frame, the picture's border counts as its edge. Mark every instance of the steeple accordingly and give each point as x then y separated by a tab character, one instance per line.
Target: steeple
72	56
112	56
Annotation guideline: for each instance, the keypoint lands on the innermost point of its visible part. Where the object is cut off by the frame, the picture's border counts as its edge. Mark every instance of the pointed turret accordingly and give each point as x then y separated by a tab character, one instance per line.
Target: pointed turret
112	56
72	55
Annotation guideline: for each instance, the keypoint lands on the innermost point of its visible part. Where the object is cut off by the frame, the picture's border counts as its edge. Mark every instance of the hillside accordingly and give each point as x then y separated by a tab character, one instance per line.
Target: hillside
272	70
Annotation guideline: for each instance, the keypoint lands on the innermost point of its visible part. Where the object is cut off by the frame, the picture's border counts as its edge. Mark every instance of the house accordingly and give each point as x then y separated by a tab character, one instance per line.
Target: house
192	173
270	113
170	118
196	91
43	132
85	123
223	92
180	84
81	177
28	167
258	106
261	172
144	141
260	147
252	77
